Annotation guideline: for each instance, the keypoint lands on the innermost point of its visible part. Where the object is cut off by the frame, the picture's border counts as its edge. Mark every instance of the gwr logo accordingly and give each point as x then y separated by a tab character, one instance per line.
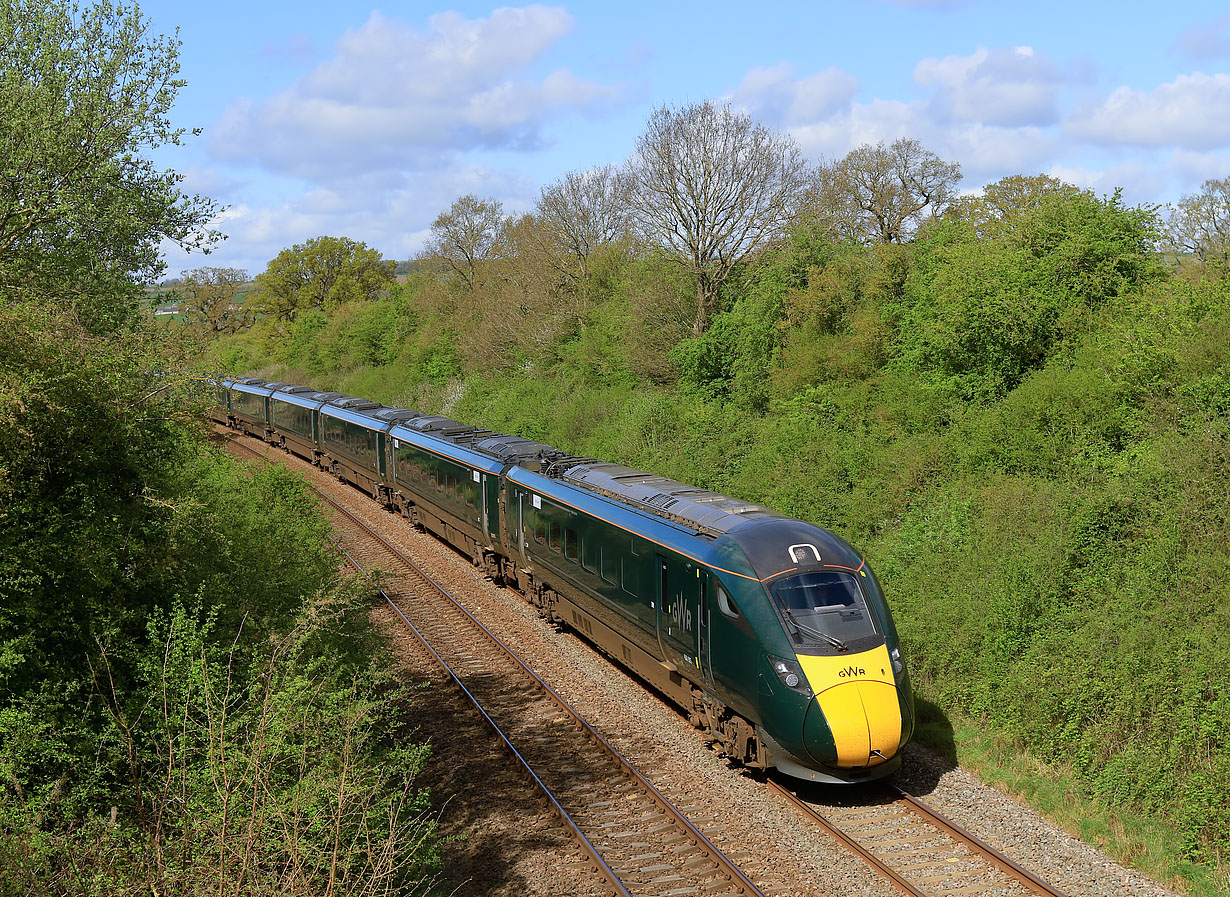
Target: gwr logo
850	672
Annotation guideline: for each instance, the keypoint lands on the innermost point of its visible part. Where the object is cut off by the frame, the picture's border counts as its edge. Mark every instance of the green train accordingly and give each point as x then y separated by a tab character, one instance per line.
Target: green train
771	634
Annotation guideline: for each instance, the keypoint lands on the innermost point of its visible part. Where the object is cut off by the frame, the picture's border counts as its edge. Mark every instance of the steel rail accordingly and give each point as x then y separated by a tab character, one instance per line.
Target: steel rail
859	850
1024	876
980	848
733	872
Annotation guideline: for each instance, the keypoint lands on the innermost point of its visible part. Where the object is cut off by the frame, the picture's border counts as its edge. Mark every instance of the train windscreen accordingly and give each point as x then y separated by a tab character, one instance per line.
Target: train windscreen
824	608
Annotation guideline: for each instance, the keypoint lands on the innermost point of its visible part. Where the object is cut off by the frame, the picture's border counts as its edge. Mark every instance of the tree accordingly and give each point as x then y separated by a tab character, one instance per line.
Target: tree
582	211
1002	203
712	185
84	95
1200	224
467	236
209	301
322	273
881	194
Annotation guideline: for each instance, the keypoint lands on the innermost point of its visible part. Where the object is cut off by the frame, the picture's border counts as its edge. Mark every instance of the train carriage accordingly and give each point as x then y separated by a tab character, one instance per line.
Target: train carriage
454	489
349	442
293	420
249	406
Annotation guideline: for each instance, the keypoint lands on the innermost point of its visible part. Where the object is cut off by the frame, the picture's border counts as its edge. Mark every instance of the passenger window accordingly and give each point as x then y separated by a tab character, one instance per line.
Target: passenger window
571	545
540	528
589	554
725	604
553	535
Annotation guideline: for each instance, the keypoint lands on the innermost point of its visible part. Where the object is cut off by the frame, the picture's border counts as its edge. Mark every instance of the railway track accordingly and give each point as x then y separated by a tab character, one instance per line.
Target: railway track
644	841
641	842
921	852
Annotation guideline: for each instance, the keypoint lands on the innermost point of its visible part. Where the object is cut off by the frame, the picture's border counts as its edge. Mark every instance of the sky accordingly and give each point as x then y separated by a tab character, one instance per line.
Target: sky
347	120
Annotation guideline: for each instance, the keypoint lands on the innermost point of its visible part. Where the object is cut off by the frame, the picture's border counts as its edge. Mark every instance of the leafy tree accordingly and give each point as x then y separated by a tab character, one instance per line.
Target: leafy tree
209	301
712	185
1004	201
1200	224
883	193
981	312
84	96
467	236
322	273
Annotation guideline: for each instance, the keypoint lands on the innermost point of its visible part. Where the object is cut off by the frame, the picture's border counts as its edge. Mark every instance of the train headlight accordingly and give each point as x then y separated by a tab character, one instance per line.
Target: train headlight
790	674
898	663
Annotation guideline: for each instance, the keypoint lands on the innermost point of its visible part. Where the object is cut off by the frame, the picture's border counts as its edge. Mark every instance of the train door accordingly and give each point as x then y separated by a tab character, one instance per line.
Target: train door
679	614
491	506
522	541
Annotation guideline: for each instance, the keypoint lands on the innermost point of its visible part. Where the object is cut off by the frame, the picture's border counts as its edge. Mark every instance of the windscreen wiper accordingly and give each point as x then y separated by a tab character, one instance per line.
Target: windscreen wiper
818	633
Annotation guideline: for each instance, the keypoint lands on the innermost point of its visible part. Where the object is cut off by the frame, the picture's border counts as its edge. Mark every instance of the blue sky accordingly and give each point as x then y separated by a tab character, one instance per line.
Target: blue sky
366	122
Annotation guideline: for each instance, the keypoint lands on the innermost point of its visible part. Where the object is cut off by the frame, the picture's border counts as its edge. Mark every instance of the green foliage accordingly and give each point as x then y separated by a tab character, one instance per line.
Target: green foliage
323	273
979	313
174	641
85	95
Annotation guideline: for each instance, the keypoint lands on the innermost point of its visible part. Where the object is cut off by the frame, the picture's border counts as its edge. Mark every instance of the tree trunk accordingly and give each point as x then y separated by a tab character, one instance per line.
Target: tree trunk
702	306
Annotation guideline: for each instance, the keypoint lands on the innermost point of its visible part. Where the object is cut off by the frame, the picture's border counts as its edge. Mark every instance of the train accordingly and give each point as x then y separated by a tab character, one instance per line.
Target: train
771	634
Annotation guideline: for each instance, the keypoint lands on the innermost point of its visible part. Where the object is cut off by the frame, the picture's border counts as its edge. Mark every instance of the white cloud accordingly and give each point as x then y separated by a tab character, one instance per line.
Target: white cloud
1140	182
392	216
1196	168
778	97
1191	112
1205	40
1005	86
395	96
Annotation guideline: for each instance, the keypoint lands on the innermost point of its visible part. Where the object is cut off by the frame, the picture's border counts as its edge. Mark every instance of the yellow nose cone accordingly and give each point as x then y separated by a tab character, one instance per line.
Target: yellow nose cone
858	698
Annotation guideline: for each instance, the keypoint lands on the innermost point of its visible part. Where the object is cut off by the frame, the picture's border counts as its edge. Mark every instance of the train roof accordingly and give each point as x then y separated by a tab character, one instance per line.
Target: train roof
702	510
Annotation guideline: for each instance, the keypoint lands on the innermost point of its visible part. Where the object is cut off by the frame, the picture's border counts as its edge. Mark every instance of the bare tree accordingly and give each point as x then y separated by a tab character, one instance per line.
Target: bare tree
1200	224
582	211
881	194
467	236
712	185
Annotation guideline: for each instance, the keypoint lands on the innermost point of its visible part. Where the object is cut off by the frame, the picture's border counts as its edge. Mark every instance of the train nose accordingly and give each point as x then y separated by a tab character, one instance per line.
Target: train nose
853	724
855	718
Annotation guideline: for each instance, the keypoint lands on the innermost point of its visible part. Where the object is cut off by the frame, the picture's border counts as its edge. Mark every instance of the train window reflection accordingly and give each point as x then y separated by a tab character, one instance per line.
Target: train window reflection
824	608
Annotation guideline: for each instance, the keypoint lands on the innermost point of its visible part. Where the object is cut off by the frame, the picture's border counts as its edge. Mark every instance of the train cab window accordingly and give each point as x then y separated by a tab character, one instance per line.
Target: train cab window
725	604
571	545
609	569
554	535
824	607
